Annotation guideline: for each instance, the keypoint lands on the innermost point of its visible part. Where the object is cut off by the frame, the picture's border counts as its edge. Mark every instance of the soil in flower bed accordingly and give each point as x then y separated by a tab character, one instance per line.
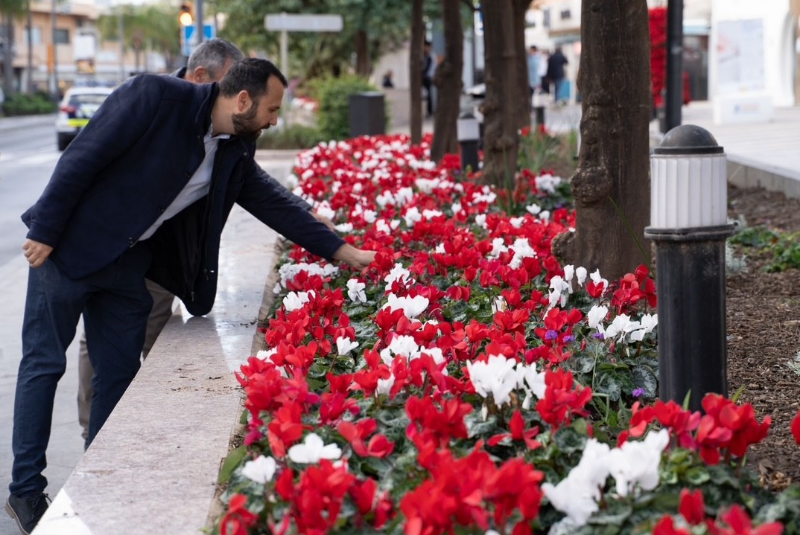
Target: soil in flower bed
763	314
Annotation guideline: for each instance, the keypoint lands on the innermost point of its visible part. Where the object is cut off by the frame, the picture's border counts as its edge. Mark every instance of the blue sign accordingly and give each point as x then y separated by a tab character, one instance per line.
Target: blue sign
188	45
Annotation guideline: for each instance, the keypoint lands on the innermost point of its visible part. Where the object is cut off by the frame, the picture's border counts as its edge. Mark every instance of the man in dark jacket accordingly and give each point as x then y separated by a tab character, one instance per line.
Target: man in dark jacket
145	190
208	63
556	73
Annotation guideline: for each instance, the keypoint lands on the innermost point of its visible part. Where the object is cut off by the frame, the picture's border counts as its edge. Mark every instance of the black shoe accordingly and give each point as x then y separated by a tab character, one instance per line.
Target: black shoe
27	511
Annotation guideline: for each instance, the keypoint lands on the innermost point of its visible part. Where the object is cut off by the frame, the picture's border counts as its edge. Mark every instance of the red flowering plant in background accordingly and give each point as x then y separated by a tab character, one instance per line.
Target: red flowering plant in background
466	380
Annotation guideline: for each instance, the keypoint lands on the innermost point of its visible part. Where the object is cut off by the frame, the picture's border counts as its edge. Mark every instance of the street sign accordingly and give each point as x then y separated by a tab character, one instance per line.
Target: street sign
290	22
188	43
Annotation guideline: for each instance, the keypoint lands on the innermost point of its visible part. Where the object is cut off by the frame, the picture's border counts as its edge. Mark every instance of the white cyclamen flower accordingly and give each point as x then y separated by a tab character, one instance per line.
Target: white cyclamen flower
325	210
412	216
260	470
400	346
480	220
621	326
498	247
522	249
559	291
597	279
345	345
637	463
295	300
398	273
496	376
596	315
355	291
646	325
312	450
411	306
581	274
574	498
533	209
577	494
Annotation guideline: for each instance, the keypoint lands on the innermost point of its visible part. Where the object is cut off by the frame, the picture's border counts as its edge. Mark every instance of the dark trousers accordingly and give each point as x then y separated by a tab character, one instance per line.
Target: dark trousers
428	85
115	304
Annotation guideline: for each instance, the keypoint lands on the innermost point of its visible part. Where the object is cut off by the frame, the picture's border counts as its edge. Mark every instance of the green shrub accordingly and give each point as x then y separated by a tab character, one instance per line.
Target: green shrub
333	95
293	137
22	104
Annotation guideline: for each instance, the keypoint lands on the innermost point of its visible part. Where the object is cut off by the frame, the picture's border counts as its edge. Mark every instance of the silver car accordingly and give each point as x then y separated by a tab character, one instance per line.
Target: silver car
75	110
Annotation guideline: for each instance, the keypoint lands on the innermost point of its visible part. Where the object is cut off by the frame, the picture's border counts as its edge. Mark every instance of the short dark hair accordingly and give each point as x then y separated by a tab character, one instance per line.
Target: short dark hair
213	54
251	75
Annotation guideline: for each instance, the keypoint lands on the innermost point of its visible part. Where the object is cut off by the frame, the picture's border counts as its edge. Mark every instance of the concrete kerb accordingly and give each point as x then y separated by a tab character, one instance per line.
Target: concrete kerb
154	466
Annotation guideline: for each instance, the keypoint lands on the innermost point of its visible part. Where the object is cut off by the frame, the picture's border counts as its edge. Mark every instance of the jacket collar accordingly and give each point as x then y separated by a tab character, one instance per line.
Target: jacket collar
208	93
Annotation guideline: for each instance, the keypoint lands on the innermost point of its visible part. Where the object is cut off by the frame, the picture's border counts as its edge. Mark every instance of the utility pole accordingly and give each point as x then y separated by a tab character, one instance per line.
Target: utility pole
29	22
53	17
199	29
674	100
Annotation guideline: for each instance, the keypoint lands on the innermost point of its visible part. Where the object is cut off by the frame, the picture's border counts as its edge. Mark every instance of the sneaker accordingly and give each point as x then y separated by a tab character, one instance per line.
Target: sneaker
27	511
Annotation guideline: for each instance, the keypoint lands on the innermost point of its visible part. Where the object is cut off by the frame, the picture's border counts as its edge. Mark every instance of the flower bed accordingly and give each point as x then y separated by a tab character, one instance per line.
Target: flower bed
467	382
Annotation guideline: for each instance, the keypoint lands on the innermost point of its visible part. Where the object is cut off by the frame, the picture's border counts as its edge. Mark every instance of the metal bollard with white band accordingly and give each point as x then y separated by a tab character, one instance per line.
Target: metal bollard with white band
689	226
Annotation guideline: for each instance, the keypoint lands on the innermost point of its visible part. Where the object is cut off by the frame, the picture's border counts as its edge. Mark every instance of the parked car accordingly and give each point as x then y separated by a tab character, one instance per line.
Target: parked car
75	110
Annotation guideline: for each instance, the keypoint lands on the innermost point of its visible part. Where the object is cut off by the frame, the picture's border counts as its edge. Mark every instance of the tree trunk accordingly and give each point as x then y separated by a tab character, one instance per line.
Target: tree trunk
448	81
524	115
415	71
612	183
501	106
362	54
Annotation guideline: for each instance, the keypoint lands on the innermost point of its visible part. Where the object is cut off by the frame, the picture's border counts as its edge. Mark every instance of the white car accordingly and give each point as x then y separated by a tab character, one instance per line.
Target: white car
75	110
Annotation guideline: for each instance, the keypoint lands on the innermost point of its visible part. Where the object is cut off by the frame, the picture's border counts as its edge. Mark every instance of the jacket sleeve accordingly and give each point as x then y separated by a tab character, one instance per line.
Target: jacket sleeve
280	189
278	211
119	123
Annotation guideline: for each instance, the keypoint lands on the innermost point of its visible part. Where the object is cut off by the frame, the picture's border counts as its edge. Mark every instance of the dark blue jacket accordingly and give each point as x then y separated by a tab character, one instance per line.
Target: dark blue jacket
130	162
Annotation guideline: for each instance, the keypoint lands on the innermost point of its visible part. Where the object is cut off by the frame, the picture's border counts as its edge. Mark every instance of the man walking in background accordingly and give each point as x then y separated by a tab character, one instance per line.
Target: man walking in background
207	64
556	74
428	70
144	190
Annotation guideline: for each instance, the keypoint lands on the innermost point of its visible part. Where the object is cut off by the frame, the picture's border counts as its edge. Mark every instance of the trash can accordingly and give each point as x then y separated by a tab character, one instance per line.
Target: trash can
367	114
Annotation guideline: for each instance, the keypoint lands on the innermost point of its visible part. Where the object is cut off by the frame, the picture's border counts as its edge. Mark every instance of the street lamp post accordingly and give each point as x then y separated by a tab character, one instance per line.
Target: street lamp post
674	99
53	17
199	29
689	226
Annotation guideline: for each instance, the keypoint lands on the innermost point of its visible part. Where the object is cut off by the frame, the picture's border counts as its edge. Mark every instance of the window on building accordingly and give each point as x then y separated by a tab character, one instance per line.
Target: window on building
546	18
565	14
36	36
61	37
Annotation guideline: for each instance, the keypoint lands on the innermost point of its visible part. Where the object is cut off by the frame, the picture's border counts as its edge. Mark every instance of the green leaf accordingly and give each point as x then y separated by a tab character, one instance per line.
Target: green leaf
568	440
697	475
234	459
615	515
643	377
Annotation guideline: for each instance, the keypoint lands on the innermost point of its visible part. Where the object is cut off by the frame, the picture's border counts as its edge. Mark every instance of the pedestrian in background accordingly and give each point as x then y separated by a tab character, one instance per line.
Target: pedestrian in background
208	63
556	73
145	190
534	69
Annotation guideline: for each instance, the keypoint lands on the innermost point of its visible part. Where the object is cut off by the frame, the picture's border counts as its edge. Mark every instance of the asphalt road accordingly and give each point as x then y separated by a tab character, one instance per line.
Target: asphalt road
27	157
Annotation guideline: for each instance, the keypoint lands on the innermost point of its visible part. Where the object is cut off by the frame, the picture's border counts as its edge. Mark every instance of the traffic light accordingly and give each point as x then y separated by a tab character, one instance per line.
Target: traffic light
186	14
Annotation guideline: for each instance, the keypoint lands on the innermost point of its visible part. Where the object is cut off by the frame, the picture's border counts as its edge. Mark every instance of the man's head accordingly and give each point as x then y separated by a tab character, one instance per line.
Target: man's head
255	89
426	46
533	49
211	60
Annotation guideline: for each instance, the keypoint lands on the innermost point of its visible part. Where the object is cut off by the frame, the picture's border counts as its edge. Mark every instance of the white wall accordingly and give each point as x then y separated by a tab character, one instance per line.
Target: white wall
778	44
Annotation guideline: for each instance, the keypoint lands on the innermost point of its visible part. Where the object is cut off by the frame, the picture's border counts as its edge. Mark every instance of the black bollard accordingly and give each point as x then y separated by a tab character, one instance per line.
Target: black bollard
468	134
689	225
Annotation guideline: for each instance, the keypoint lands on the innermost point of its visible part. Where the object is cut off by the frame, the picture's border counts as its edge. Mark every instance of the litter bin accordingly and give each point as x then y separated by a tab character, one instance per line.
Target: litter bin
367	114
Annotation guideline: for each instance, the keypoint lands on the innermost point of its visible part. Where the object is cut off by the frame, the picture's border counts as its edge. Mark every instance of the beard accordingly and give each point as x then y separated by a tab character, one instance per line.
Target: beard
245	125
